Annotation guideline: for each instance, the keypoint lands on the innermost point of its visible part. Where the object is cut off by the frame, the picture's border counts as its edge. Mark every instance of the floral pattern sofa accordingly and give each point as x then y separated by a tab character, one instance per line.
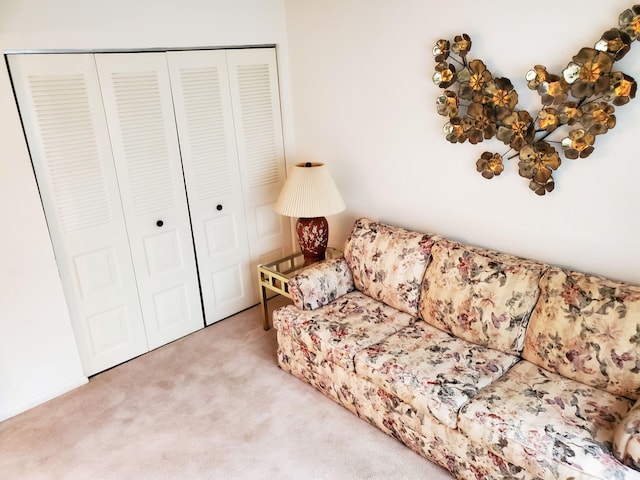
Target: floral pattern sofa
492	366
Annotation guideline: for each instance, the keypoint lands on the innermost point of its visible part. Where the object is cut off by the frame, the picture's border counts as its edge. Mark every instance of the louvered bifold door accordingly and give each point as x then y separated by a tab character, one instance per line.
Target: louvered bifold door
255	96
61	109
139	110
202	104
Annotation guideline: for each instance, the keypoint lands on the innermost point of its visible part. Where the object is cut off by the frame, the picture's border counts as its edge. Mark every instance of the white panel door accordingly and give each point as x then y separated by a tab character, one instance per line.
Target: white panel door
253	77
137	99
202	104
61	109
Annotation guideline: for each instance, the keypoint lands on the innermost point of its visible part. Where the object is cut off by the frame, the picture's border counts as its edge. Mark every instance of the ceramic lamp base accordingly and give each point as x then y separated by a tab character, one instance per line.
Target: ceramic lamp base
313	237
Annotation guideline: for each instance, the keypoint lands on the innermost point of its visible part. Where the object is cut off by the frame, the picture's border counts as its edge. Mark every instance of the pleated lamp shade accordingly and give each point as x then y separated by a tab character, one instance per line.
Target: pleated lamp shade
310	193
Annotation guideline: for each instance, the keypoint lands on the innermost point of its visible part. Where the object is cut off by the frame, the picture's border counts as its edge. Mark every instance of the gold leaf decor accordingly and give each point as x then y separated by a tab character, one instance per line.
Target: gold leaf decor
577	105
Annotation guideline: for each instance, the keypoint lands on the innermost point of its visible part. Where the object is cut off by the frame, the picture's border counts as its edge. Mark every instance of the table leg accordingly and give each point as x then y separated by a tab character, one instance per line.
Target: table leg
265	309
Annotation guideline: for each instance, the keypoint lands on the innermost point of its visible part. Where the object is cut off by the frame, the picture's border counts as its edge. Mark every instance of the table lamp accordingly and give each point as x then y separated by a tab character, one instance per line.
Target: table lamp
309	193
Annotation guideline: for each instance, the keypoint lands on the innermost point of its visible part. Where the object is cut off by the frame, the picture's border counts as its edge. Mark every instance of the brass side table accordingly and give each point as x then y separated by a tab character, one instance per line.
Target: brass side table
275	276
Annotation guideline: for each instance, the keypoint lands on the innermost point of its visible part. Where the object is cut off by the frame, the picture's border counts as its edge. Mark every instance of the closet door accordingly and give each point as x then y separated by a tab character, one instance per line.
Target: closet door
137	100
255	97
61	109
202	104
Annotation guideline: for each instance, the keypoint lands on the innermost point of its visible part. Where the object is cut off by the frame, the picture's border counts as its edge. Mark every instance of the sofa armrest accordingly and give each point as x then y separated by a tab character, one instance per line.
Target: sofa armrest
626	440
321	283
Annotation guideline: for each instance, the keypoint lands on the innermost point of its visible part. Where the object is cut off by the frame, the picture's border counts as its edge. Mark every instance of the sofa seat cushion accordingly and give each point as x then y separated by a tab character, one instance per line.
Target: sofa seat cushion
388	262
482	296
431	370
339	330
551	423
587	328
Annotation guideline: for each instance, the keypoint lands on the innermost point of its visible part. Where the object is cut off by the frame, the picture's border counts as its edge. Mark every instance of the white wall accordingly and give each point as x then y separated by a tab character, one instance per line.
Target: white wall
364	103
38	355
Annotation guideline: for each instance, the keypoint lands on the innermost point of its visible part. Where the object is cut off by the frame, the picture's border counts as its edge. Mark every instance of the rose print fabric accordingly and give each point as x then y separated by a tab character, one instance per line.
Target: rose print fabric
321	283
552	426
329	378
419	431
587	328
429	348
626	441
432	370
388	263
481	296
339	330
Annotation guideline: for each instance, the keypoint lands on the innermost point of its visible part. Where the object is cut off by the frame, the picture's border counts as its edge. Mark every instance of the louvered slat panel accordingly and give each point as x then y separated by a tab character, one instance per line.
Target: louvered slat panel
138	102
204	118
63	116
139	112
69	142
253	80
257	114
206	125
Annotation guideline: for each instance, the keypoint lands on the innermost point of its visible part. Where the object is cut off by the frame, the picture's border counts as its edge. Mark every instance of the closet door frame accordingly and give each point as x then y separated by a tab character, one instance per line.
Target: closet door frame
117	263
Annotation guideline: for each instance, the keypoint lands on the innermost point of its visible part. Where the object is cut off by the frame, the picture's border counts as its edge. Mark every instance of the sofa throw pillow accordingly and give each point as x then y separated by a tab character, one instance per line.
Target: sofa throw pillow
320	284
388	262
482	296
587	328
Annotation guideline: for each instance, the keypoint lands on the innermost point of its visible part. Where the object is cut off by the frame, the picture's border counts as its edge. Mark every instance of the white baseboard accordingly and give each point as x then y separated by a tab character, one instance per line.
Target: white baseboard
42	398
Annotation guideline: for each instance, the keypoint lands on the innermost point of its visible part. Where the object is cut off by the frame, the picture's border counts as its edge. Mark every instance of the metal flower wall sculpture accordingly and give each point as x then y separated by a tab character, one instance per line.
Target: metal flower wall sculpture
577	105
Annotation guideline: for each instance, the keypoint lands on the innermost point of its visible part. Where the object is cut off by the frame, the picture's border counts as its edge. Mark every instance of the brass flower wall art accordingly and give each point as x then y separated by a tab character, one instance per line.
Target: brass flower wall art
577	105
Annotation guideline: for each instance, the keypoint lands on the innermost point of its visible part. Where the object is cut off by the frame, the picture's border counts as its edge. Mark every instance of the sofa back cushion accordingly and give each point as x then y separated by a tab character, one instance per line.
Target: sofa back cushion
479	295
388	262
587	328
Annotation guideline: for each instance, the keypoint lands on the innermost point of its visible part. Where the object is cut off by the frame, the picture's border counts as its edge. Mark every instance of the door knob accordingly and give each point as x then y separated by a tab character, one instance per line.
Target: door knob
159	223
219	207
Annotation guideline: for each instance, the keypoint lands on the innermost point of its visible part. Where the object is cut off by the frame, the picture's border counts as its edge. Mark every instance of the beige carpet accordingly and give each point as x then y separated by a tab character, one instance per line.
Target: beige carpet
213	405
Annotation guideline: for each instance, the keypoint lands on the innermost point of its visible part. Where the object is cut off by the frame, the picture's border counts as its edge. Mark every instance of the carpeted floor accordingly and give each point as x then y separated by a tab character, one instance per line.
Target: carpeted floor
213	405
